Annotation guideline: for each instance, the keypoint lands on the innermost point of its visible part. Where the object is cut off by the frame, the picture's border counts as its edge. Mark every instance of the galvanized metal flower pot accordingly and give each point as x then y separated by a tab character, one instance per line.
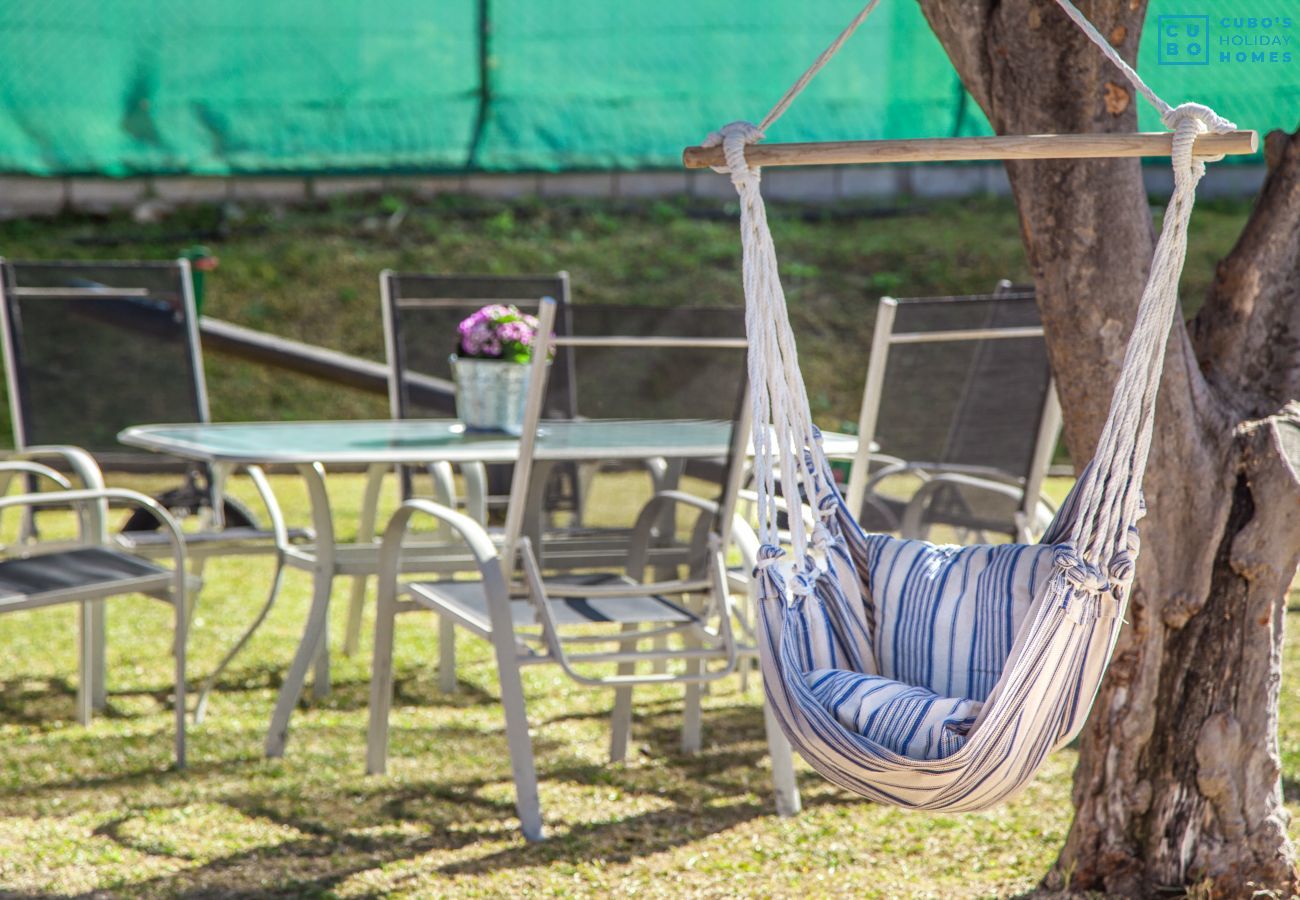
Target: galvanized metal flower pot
490	393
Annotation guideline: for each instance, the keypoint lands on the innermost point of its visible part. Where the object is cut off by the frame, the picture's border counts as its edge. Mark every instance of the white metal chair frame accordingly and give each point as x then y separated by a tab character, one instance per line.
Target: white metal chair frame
495	561
862	482
91	506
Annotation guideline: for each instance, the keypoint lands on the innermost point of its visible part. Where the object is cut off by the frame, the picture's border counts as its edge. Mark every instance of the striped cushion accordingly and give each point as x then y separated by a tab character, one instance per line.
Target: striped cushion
910	721
946	617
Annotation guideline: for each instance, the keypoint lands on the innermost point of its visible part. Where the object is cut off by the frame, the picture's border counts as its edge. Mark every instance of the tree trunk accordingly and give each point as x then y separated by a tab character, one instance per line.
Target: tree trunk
1178	781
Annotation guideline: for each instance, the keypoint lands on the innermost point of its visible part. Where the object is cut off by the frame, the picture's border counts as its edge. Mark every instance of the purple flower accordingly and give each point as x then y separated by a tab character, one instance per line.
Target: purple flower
514	331
498	331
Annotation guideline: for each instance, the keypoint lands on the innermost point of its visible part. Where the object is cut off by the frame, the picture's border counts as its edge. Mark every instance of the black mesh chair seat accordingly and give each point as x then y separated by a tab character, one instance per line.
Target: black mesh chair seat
43	580
589	547
467	601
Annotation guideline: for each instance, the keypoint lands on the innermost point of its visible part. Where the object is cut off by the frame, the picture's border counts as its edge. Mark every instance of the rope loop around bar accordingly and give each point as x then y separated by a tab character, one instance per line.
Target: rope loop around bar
1206	119
741	134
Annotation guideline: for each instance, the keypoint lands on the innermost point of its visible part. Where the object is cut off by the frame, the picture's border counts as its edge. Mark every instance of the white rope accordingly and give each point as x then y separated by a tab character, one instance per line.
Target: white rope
1101	548
811	72
1113	55
783	429
780	399
1111	497
1170	115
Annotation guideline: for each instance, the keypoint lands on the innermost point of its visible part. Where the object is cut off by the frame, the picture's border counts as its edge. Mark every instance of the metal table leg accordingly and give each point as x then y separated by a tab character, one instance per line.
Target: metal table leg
316	630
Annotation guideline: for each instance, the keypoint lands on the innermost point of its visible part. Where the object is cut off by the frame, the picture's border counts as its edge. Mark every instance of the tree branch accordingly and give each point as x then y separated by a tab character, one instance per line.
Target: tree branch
1247	335
962	27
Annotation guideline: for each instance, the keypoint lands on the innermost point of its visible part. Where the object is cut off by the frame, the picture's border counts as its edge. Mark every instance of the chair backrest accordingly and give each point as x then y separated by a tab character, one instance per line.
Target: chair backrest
649	363
961	384
92	347
655	362
421	313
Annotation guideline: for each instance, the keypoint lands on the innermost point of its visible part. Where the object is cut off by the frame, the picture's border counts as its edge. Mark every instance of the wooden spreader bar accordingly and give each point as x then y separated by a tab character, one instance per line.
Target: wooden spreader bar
1017	146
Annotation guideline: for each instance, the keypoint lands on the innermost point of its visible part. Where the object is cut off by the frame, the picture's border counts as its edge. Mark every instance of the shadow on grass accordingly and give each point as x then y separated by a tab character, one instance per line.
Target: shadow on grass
155	769
39	703
308	866
417	690
45	704
641	708
336	829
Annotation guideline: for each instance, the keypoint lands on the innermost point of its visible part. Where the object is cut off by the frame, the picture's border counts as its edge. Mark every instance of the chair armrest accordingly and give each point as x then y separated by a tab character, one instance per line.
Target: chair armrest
8	467
481	546
81	463
925	471
901	467
639	543
911	520
93	500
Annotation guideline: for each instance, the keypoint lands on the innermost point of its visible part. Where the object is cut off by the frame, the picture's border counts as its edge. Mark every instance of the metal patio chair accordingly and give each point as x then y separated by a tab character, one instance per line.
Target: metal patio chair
93	347
960	400
673	363
421	313
530	617
89	569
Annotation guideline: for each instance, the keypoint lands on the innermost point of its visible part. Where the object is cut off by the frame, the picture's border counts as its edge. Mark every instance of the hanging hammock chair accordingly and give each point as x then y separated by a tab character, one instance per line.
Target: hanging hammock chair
940	677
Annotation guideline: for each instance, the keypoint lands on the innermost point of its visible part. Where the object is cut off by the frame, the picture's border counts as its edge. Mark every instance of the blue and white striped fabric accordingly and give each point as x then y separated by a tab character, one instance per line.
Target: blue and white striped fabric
946	617
911	721
931	677
945	621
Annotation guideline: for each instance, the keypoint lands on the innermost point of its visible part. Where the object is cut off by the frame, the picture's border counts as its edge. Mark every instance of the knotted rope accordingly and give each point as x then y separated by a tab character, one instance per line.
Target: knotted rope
1100	555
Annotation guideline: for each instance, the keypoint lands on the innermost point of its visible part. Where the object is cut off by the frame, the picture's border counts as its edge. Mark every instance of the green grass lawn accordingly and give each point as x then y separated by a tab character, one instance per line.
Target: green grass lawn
84	809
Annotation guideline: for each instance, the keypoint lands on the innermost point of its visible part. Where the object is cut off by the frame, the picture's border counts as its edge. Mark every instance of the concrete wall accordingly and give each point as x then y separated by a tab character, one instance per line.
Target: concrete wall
22	196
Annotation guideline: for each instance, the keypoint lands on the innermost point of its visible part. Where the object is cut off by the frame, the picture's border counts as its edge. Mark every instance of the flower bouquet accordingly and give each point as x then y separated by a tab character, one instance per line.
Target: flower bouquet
491	368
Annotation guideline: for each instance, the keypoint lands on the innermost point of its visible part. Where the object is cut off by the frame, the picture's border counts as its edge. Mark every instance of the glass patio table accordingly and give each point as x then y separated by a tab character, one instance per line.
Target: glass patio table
311	446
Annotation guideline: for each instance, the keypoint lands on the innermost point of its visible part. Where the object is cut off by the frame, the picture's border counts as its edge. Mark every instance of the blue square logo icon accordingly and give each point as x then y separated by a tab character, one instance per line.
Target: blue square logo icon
1183	40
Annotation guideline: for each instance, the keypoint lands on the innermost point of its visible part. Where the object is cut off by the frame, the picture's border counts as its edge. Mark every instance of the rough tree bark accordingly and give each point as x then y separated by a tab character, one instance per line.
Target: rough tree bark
1178	777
